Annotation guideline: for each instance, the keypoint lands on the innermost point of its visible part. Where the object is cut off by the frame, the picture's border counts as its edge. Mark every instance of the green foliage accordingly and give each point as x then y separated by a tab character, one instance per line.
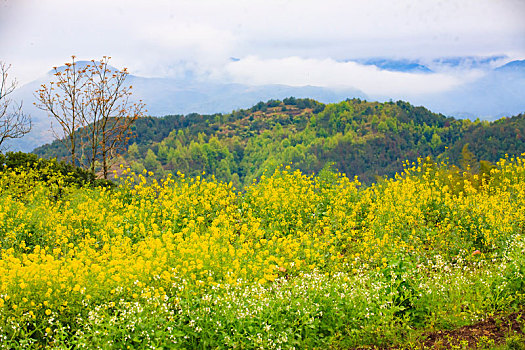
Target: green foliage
47	169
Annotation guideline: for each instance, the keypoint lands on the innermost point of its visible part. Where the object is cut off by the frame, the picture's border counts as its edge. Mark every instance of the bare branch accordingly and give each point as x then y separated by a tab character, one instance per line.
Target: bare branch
13	122
113	110
63	100
95	98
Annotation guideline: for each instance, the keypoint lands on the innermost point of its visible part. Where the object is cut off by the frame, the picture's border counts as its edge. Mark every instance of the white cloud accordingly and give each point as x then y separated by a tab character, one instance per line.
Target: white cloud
176	47
161	37
296	71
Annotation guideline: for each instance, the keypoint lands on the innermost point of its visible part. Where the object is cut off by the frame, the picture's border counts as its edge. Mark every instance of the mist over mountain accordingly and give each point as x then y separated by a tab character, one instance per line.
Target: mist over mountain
498	91
467	62
436	65
396	65
174	96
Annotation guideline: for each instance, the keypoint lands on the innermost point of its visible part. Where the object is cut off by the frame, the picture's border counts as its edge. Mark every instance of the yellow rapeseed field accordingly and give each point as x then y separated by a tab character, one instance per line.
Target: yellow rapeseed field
74	258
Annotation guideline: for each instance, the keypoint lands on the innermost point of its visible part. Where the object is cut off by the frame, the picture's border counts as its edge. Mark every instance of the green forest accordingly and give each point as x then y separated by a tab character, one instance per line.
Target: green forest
370	140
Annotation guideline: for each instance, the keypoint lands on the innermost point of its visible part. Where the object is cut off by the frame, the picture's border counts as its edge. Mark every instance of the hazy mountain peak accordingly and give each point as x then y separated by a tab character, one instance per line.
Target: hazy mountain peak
468	62
79	65
399	65
513	66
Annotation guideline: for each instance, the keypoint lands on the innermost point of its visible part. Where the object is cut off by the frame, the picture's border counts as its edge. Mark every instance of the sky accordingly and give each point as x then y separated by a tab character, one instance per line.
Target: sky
292	42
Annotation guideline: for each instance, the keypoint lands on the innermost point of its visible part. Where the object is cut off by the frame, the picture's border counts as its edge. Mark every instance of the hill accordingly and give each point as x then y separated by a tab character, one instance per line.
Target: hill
359	138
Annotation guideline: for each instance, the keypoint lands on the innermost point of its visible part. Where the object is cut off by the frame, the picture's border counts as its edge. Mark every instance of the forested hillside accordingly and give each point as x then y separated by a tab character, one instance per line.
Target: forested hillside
356	137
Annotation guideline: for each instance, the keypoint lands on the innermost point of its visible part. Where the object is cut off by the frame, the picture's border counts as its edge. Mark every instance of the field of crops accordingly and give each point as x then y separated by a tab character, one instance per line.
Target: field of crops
290	261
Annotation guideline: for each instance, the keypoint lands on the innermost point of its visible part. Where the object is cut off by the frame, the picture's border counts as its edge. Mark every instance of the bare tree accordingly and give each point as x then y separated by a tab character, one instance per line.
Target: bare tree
93	97
13	123
111	113
65	100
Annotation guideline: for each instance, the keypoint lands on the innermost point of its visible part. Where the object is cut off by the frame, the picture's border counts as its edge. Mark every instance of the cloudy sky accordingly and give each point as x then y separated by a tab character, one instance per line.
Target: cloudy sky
294	42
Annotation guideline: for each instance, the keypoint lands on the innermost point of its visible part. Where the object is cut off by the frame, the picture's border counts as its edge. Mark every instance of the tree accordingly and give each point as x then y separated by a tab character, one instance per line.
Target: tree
13	124
468	160
64	100
150	161
92	96
110	113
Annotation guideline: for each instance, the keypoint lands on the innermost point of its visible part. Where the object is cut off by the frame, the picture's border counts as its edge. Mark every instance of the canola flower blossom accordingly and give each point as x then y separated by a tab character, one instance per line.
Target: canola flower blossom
197	263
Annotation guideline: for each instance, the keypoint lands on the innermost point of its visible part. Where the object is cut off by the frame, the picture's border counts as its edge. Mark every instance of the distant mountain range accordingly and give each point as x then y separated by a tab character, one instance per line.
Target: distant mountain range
437	64
500	91
396	65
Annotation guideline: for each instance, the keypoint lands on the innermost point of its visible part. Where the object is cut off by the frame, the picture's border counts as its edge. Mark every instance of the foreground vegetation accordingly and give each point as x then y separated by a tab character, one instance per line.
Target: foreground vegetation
291	261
